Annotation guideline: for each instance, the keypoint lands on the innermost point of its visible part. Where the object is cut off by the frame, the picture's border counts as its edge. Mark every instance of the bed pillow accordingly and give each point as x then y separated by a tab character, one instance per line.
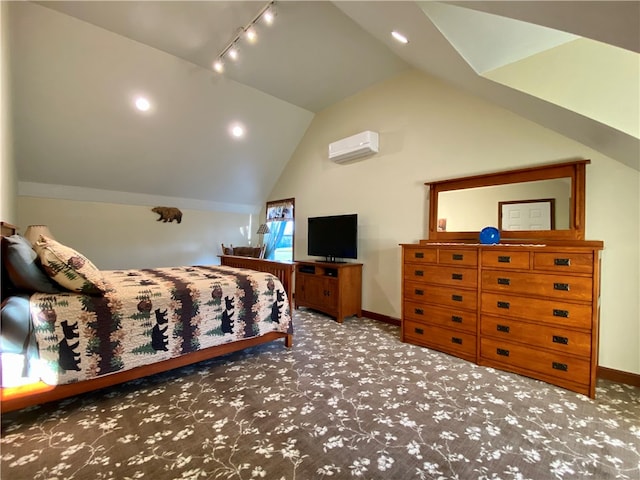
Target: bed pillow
69	268
22	266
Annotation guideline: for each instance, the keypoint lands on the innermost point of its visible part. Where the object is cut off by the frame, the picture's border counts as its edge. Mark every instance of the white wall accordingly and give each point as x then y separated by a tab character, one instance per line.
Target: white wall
7	166
430	131
115	236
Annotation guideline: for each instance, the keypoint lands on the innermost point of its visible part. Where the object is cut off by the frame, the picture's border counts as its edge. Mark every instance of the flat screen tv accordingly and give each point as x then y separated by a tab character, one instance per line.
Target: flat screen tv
334	237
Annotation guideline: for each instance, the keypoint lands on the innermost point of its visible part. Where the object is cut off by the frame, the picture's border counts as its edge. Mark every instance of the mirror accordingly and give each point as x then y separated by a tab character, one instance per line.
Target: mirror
534	214
545	202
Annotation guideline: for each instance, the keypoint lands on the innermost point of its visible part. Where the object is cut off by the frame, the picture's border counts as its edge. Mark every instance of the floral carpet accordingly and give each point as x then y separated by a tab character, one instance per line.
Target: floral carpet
347	401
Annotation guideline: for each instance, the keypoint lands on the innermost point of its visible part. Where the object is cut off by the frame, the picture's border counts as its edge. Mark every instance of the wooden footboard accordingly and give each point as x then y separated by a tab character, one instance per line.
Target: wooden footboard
282	270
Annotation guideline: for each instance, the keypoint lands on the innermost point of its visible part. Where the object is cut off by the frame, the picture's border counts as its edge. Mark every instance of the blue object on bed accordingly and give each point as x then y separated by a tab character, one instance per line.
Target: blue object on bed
18	347
16	325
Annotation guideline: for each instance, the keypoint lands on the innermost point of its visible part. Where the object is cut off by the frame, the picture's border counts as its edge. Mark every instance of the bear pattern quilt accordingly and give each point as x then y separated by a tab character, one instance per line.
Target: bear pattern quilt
150	315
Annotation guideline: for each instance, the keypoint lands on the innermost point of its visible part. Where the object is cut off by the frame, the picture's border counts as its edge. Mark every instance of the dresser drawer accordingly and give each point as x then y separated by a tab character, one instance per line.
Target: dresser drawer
553	312
457	343
553	286
545	336
505	259
563	262
449	296
452	256
454	276
444	317
420	255
536	361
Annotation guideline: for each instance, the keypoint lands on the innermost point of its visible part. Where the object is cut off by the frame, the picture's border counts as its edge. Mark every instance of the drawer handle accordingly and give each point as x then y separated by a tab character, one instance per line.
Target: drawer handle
561	286
562	262
502	328
561	340
418	273
560	366
418	291
418	311
419	331
456	276
504	259
456	319
456	298
504	305
456	340
560	313
502	352
457	256
419	255
504	281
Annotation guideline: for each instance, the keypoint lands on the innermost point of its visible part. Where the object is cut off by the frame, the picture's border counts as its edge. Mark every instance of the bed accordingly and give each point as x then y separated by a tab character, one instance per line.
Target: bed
72	328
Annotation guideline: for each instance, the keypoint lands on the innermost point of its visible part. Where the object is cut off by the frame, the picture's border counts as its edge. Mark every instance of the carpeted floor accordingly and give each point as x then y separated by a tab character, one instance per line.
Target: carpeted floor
347	401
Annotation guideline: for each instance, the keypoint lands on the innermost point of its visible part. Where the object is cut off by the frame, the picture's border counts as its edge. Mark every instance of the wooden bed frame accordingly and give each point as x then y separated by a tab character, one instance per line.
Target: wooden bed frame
15	398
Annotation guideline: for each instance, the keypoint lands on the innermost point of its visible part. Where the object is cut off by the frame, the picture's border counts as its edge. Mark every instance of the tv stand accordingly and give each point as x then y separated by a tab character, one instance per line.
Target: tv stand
331	288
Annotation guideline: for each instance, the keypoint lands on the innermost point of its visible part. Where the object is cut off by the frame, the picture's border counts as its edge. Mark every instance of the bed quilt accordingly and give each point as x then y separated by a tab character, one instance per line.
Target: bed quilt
150	315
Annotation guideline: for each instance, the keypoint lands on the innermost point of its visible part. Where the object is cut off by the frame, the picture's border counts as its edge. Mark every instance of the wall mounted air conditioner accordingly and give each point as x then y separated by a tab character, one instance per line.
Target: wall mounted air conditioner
356	146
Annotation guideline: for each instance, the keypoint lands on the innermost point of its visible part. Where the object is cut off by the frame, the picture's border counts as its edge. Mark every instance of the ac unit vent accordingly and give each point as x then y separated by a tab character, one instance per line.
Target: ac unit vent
356	146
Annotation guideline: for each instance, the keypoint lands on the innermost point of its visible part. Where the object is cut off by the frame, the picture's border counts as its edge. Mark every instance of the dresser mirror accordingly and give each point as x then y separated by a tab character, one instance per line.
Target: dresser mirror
546	202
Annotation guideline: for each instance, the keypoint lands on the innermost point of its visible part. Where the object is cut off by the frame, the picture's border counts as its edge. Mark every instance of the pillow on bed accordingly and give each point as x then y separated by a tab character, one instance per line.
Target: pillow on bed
22	266
68	267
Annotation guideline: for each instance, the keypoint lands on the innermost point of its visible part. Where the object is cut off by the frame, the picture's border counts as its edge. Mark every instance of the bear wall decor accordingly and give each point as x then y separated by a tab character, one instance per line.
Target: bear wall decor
168	214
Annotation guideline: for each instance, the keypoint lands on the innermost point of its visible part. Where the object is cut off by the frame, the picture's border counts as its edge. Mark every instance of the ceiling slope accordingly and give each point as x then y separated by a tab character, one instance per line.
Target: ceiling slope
316	54
431	51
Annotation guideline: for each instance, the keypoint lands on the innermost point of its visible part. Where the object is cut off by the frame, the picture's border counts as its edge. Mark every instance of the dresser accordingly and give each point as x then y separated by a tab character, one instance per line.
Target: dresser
531	309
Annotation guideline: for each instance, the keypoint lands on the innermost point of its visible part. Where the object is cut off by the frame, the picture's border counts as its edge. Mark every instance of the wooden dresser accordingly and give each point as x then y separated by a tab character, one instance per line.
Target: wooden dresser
531	309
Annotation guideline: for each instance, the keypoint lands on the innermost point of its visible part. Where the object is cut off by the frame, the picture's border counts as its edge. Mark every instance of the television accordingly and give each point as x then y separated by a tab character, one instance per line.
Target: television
333	237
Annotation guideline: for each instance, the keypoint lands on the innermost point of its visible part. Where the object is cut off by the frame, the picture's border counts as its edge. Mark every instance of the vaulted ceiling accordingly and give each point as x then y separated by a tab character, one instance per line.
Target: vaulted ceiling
76	67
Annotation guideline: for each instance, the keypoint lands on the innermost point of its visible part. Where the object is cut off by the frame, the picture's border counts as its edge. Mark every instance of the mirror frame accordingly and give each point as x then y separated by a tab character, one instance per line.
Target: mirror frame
575	170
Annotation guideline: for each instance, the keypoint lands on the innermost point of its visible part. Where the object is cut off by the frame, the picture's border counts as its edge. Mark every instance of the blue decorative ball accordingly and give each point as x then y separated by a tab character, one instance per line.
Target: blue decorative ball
489	235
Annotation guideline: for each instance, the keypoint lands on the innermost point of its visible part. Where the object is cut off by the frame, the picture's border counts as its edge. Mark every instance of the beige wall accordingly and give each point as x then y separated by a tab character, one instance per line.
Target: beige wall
7	166
115	236
430	131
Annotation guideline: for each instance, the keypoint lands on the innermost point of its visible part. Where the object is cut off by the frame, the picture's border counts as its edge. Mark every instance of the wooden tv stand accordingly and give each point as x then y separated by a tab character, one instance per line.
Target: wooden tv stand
332	288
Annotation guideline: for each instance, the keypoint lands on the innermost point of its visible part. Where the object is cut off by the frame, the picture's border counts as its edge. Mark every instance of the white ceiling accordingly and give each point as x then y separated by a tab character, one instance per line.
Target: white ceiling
72	61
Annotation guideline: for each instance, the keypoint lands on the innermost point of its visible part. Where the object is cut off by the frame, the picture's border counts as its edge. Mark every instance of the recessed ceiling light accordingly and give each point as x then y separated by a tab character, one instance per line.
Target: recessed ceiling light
399	37
142	104
237	130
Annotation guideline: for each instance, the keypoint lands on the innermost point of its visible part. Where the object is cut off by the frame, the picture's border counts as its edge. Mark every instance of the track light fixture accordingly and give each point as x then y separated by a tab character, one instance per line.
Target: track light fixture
248	32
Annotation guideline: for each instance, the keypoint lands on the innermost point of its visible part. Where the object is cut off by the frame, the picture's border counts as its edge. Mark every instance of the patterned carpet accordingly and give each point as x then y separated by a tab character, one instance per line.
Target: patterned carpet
347	401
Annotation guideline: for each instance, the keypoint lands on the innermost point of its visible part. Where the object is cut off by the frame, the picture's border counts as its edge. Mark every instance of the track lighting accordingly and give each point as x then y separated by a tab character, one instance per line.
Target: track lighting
233	53
248	32
251	35
269	14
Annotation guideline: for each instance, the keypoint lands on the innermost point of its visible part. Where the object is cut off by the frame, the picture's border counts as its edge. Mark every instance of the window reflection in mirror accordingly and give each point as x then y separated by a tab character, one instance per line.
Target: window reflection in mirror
472	209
